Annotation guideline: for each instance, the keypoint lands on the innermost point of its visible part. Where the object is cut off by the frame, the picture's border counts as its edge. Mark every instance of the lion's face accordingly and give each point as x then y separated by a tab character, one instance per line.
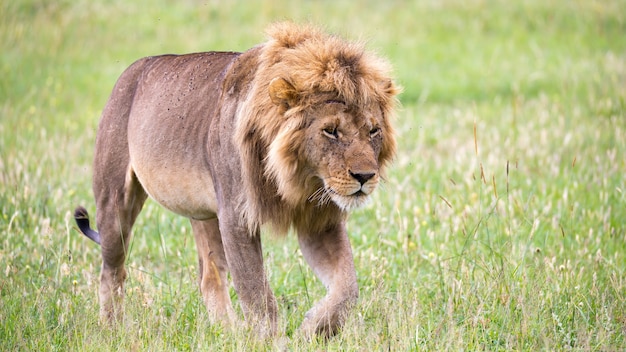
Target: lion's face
330	151
341	147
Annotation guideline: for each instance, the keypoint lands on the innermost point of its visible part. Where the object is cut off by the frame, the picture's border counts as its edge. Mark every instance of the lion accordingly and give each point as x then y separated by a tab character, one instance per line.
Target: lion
293	134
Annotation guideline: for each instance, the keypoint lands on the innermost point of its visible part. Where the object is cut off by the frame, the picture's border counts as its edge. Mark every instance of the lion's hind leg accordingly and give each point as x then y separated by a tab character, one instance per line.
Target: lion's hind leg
213	271
119	195
119	201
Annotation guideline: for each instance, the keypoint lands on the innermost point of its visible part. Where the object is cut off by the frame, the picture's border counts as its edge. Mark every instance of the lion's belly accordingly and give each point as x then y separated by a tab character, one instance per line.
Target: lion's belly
171	166
186	192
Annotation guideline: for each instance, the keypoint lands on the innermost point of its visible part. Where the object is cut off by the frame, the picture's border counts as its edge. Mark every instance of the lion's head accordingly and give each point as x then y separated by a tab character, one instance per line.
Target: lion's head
320	109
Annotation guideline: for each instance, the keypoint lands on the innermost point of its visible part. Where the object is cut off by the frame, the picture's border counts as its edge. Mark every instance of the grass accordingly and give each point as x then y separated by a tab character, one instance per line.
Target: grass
500	227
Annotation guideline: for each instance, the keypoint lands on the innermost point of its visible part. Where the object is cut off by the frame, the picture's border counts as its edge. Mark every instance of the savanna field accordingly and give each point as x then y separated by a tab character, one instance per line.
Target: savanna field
501	224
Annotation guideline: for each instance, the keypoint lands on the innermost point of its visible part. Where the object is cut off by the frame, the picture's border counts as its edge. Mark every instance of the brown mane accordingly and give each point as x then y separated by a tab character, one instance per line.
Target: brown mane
269	135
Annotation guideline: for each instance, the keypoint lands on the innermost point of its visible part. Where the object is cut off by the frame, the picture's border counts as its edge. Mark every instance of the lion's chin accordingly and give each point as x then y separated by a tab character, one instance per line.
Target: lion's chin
347	203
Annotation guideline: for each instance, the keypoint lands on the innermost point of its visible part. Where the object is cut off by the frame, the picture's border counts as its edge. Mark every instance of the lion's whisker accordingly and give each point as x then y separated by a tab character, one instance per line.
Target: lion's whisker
315	195
321	195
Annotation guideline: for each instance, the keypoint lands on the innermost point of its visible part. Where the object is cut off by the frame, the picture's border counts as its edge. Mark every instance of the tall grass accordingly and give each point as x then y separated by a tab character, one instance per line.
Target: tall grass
500	226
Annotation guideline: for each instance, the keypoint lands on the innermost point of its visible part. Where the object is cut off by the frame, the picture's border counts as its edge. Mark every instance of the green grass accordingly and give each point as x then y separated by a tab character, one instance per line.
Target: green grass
501	225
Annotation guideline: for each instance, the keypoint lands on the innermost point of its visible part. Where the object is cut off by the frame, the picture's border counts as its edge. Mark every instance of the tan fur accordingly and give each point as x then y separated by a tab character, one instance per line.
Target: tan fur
293	133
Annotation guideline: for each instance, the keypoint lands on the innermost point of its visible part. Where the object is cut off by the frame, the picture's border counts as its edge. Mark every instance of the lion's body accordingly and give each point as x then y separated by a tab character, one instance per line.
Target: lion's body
292	133
168	136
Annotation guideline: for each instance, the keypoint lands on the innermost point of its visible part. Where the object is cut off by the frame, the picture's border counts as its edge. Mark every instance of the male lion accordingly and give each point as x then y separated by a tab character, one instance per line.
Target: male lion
292	133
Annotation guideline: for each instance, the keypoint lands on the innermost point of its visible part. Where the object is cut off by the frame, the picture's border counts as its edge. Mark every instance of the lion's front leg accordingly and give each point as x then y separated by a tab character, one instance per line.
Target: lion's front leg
245	262
330	256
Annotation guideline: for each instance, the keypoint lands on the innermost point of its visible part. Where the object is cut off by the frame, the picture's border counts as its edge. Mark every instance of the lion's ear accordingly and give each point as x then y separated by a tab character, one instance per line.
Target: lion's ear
282	92
390	88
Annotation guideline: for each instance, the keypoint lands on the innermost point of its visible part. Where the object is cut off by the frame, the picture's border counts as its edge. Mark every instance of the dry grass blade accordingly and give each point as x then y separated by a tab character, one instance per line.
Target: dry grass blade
446	201
507	178
475	139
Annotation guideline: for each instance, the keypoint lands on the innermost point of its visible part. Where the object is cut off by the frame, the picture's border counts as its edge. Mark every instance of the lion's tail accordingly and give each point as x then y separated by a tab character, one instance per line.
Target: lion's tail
82	220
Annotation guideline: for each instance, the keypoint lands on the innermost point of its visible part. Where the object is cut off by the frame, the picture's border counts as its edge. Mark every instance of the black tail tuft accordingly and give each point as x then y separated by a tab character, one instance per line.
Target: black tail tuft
82	220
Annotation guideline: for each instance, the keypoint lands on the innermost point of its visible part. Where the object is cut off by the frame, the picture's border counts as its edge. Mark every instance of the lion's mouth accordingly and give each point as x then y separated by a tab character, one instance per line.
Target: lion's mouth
358	193
346	201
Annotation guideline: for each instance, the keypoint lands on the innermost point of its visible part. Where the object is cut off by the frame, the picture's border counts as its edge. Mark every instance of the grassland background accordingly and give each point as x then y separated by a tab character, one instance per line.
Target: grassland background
501	225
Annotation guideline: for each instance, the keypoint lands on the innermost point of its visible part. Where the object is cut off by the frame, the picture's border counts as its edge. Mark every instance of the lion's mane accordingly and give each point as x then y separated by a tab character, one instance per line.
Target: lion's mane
276	186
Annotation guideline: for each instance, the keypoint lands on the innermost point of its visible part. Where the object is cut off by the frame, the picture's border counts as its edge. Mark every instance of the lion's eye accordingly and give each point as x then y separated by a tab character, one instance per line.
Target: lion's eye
374	132
330	132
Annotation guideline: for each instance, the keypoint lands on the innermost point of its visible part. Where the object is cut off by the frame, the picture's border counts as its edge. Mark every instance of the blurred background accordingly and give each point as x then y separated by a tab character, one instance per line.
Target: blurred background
500	224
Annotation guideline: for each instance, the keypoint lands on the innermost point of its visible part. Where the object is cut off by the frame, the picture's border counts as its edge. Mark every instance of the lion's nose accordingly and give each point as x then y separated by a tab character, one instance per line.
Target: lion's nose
362	177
